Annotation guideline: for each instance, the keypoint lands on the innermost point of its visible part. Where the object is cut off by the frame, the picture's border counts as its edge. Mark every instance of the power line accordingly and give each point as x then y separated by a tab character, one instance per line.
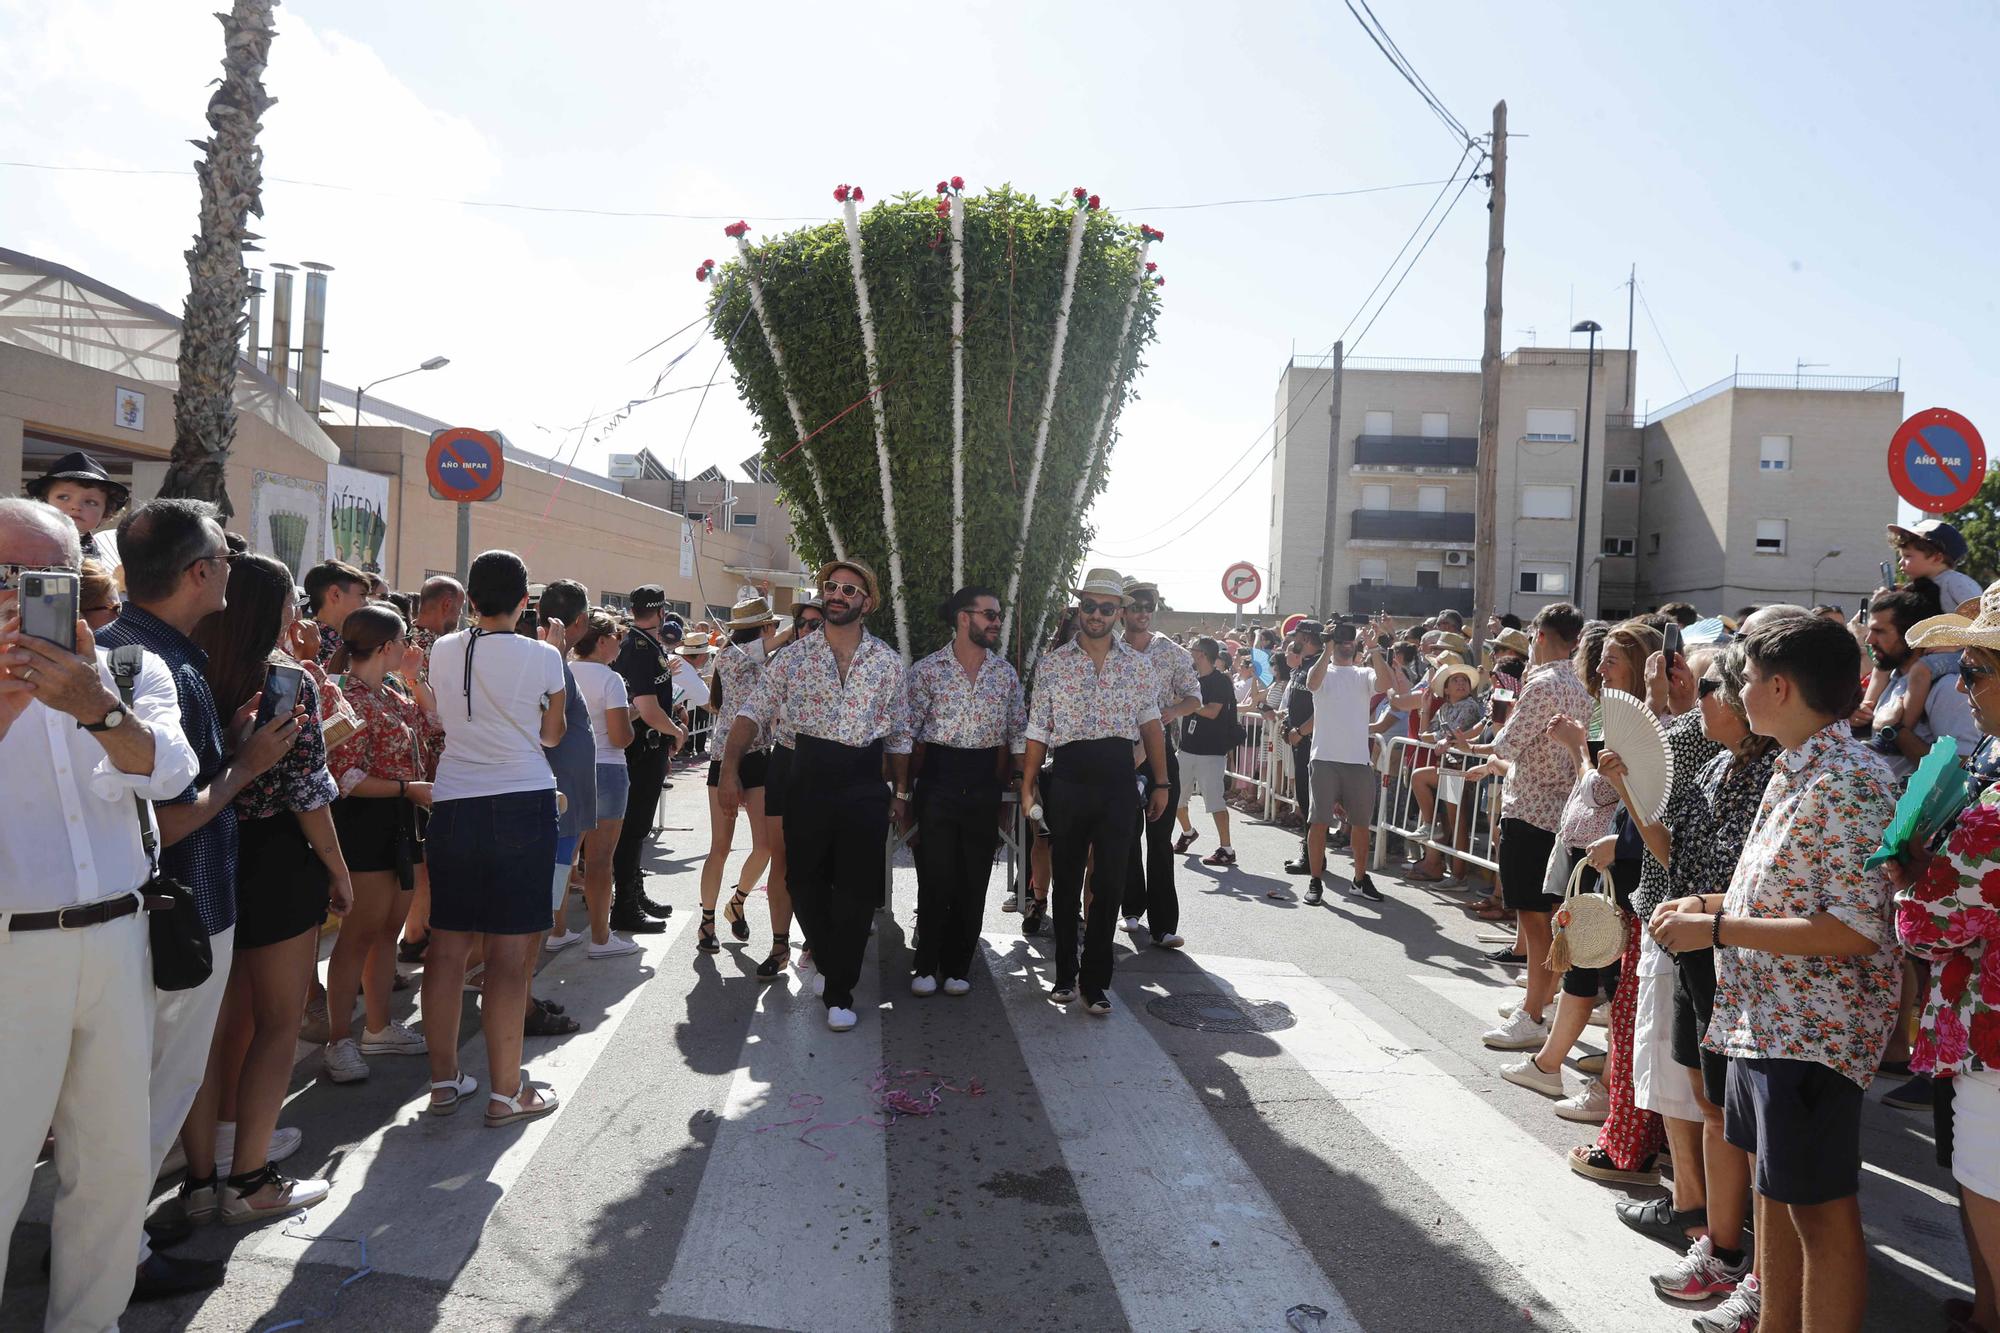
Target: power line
1647	306
1410	67
1414	258
1401	63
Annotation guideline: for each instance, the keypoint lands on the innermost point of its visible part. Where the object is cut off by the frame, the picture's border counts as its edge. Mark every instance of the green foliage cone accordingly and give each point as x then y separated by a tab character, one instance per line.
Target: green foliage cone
1015	250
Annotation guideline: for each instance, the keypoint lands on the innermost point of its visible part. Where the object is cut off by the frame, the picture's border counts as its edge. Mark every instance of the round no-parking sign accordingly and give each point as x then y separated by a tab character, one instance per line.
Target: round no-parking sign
1241	583
465	465
1937	460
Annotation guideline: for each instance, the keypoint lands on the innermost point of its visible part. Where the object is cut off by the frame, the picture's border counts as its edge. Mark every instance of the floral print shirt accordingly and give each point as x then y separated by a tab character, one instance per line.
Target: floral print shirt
801	691
948	709
1173	671
1951	916
329	643
390	743
1073	701
1823	813
433	730
1543	769
737	672
298	782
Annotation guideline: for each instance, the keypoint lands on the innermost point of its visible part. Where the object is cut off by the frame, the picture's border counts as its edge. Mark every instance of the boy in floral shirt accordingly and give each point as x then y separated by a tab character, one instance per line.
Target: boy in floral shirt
1806	973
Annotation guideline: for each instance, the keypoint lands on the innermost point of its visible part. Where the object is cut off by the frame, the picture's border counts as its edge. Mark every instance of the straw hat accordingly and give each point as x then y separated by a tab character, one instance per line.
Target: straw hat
749	613
1133	587
1512	640
1101	583
1474	678
1952	631
1454	643
867	576
696	644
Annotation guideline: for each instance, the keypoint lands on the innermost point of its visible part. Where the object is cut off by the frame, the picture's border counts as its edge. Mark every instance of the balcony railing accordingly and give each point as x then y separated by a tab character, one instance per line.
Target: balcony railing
1400	600
1795	382
1414	451
1409	525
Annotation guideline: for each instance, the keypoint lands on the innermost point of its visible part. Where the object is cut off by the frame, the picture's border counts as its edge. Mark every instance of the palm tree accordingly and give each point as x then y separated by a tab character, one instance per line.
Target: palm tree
232	177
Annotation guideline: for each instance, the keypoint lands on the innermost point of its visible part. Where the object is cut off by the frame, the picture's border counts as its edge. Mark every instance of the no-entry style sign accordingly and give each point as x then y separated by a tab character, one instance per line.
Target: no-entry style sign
1937	460
464	465
1241	583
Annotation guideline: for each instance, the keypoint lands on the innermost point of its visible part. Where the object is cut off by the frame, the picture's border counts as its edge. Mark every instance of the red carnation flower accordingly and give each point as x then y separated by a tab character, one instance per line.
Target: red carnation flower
944	208
1079	192
708	263
701	275
1159	282
1150	266
736	230
858	196
1093	201
840	193
943	186
958	182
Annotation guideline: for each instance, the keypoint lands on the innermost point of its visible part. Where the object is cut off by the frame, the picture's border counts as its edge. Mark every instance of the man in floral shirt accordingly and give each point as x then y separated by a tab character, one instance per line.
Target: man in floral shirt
1806	971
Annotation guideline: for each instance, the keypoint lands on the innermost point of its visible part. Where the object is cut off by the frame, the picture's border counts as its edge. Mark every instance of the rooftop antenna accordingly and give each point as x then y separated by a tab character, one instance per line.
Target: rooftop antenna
1802	366
1530	331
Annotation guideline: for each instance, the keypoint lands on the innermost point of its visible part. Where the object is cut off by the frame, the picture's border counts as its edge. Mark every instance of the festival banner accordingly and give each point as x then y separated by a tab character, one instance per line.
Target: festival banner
286	519
357	522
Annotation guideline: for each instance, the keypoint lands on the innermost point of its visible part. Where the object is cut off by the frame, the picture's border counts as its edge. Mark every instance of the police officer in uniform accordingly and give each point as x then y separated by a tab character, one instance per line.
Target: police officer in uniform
646	661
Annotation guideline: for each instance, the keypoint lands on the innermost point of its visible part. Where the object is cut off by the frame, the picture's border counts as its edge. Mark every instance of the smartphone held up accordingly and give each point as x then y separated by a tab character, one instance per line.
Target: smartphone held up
48	602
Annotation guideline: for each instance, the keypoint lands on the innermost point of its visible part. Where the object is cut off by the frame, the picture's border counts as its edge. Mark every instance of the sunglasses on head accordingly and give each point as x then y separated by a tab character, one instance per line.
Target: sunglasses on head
1095	608
833	587
1707	685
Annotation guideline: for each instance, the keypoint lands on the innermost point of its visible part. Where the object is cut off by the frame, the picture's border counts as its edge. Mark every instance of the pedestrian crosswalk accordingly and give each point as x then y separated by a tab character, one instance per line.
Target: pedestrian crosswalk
721	1160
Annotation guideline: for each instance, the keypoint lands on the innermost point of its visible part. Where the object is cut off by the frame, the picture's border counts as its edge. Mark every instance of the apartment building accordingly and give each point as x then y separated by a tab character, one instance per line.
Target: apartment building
1374	502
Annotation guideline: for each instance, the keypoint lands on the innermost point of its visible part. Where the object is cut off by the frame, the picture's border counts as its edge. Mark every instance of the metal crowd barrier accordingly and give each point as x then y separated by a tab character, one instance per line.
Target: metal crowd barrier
1261	767
1473	831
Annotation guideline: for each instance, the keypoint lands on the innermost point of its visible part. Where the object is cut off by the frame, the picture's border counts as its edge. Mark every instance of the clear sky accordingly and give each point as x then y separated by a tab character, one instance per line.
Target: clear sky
1794	183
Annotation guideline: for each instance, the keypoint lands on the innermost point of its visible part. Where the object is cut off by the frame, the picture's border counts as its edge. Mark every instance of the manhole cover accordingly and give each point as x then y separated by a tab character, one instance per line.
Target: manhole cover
1205	1011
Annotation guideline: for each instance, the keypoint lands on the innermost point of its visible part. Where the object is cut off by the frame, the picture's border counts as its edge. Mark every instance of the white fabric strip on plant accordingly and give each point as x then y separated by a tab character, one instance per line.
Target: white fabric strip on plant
791	399
1076	226
852	220
957	390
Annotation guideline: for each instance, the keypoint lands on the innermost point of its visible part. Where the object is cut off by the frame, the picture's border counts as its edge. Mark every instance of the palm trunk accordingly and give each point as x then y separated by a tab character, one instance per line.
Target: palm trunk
232	176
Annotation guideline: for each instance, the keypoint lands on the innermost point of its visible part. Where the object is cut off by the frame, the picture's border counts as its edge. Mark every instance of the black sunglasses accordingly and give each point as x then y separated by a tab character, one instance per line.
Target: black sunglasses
1091	608
1144	604
990	617
1707	685
1974	671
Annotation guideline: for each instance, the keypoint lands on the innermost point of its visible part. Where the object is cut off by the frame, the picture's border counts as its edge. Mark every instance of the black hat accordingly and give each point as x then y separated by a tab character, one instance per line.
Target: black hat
80	466
1934	531
671	629
648	598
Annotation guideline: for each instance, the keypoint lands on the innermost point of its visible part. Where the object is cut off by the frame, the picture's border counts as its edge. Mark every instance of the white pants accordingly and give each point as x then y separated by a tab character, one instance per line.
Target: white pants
1975	1133
1658	1083
183	1030
74	1046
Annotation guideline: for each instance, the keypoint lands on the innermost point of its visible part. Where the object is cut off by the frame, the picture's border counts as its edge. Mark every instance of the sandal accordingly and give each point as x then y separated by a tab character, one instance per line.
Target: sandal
1592	1161
549	1005
780	958
460	1088
545	1102
540	1022
706	941
733	914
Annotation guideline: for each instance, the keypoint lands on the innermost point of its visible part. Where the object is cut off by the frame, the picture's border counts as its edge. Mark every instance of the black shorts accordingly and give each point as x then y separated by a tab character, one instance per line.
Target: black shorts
749	773
777	773
379	833
281	884
1803	1121
1694	1000
1524	862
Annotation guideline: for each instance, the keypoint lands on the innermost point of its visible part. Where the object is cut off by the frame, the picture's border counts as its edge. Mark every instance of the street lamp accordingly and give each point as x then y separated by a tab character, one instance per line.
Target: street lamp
1593	328
1814	599
434	363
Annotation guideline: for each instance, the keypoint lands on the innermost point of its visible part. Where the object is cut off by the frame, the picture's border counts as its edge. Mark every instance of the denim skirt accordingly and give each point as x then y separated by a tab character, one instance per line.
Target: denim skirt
614	789
490	858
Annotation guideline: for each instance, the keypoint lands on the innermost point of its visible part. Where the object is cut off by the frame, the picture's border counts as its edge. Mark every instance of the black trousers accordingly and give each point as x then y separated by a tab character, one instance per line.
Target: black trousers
836	836
1092	812
1302	788
1149	868
647	765
958	826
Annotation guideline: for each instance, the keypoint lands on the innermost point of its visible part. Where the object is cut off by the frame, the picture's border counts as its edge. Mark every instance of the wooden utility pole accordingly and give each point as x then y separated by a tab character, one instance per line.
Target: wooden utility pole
1486	581
1325	581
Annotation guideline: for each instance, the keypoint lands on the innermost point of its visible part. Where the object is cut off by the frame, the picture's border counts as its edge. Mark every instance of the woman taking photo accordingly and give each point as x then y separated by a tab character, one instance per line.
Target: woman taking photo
738	668
379	770
603	693
289	872
492	838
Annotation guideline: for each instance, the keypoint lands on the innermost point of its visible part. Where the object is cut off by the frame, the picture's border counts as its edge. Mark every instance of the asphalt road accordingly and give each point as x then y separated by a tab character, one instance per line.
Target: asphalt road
721	1161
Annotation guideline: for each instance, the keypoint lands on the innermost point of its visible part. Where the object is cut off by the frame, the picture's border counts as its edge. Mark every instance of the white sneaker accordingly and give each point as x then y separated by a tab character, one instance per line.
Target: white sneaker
393	1040
557	943
614	946
956	985
235	1208
1736	1314
819	985
1526	1074
1507	1009
1519	1033
284	1142
1699	1275
1131	925
840	1020
1170	941
343	1063
1011	903
1590	1106
923	985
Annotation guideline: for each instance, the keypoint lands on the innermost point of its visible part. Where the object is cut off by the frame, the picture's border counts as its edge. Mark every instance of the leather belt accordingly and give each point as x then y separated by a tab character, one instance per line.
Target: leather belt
79	916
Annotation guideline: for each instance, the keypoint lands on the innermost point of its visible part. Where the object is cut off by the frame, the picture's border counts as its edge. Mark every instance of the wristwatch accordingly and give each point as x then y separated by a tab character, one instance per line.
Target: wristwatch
113	717
1888	734
902	795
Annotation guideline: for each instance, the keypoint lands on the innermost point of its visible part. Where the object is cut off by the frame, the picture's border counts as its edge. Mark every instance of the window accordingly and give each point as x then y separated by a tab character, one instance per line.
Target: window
1378	423
1545	502
1430	499
1621	546
1770	536
1375	497
1436	425
1659	469
1622	476
1774	453
1374	573
744	520
1544	578
1652	543
1428	578
1551	423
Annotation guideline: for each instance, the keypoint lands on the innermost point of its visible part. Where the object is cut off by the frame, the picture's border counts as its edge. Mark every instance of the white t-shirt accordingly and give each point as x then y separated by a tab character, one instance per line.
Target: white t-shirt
1340	715
690	683
492	741
601	688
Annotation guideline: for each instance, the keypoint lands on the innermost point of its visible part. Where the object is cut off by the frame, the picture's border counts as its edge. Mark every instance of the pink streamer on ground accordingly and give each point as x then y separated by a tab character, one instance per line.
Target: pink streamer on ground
911	1092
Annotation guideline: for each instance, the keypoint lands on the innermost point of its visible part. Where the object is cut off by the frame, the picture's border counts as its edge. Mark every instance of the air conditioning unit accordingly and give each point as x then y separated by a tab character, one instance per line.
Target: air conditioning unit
1458	557
622	466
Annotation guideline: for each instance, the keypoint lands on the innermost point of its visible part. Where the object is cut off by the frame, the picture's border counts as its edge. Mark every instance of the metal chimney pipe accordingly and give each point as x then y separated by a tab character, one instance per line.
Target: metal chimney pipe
314	342
281	323
256	318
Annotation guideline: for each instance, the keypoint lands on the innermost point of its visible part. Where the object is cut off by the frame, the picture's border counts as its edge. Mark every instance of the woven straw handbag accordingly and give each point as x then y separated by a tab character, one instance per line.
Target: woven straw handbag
1589	925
